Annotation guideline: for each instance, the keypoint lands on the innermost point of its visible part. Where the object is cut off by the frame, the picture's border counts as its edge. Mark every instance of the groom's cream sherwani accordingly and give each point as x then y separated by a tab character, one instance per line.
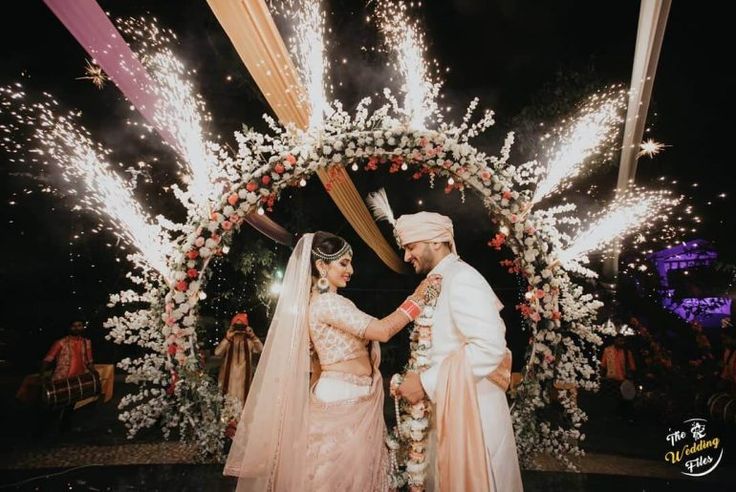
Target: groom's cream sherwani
467	317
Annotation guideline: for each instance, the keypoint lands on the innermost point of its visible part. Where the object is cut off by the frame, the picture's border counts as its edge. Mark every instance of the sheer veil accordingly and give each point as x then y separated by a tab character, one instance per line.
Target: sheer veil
269	451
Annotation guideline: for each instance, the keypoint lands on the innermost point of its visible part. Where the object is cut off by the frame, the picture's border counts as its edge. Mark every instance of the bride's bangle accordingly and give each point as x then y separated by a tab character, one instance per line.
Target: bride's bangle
411	309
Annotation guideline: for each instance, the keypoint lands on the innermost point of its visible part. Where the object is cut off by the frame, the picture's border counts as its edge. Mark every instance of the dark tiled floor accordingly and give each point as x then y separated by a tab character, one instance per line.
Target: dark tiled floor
184	478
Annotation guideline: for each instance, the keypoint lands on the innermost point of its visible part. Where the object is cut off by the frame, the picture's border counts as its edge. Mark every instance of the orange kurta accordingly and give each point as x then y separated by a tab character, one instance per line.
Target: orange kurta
72	355
615	360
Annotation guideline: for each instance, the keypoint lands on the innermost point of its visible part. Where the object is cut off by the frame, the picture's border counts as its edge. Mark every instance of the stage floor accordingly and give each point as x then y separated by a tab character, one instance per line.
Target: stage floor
182	477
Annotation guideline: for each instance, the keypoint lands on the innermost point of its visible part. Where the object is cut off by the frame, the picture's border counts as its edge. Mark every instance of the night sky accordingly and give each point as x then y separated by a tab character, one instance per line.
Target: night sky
520	57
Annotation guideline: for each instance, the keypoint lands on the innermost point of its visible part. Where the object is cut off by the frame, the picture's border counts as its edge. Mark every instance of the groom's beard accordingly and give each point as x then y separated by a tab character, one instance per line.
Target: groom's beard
423	263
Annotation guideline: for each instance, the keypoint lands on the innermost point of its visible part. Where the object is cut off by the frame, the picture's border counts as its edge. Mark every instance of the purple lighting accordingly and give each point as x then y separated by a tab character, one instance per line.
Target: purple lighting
679	260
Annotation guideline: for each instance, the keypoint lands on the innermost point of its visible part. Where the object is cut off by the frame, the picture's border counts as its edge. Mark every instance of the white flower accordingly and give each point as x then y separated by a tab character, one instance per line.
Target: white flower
422	360
415	468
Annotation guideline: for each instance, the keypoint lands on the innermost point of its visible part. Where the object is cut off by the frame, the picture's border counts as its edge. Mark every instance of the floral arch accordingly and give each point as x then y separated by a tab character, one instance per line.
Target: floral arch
177	393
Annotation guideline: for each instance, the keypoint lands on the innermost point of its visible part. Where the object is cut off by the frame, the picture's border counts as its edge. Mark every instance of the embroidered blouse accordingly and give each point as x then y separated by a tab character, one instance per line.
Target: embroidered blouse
337	328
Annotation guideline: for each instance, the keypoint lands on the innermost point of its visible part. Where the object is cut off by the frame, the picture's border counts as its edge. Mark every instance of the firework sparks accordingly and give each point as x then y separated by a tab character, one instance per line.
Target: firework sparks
95	74
307	46
592	131
650	148
178	109
625	215
60	139
405	39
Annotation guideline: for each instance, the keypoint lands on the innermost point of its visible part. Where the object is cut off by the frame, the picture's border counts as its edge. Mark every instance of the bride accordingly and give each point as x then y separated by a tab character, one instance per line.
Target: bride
328	435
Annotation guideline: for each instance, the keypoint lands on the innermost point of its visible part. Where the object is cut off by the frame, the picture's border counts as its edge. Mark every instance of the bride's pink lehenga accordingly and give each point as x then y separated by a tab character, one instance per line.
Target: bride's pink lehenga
326	438
346	435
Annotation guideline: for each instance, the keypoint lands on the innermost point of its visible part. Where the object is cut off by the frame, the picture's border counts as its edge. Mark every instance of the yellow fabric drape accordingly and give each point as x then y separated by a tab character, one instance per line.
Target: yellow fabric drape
251	29
343	192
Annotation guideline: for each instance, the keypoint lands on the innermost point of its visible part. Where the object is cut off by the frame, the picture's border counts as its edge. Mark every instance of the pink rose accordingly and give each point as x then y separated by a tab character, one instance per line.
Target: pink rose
199	242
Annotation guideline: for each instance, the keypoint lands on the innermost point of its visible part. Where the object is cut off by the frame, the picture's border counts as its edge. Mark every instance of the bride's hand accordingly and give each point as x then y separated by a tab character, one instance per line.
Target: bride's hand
420	294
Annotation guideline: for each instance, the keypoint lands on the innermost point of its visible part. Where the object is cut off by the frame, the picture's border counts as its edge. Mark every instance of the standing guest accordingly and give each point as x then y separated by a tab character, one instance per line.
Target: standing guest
73	354
617	360
618	365
238	347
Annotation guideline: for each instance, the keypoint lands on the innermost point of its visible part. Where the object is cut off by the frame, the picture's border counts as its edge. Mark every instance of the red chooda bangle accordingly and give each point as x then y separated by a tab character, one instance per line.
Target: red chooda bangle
411	309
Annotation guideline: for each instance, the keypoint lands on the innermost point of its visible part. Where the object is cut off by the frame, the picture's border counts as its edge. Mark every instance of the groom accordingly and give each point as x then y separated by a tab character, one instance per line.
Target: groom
472	445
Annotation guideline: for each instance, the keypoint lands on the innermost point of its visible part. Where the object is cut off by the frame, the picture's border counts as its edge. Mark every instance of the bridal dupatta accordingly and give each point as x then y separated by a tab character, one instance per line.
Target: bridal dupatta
269	451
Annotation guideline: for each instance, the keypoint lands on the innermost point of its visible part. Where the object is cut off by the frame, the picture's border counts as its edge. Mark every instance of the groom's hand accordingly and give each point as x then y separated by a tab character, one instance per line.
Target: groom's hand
411	388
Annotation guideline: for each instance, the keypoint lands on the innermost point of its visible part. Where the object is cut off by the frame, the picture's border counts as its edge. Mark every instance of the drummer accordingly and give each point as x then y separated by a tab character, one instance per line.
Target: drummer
73	354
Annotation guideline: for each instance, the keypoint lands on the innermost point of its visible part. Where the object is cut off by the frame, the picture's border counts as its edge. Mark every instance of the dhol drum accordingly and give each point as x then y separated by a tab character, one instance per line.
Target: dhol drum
68	391
722	407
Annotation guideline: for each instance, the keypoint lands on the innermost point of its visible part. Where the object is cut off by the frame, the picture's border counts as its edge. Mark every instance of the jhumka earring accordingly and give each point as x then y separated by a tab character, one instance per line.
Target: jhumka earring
322	285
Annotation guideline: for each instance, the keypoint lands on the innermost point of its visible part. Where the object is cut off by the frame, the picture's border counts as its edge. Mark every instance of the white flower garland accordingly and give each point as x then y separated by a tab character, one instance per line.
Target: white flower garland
413	420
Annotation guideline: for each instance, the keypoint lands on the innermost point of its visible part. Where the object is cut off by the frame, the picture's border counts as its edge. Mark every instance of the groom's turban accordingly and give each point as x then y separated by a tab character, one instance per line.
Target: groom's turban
425	226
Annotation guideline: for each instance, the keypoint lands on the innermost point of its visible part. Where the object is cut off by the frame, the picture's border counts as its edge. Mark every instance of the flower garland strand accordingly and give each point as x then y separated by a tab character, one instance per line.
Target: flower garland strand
412	420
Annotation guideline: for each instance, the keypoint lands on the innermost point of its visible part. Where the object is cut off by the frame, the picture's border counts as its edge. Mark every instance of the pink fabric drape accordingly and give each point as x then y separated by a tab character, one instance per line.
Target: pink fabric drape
461	452
89	25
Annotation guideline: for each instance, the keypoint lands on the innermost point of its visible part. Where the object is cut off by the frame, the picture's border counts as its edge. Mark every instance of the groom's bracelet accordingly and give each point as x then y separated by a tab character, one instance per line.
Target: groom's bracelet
411	309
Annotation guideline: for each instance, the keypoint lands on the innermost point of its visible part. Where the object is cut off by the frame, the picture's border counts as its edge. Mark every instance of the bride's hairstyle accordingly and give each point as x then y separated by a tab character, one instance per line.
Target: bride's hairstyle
327	247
